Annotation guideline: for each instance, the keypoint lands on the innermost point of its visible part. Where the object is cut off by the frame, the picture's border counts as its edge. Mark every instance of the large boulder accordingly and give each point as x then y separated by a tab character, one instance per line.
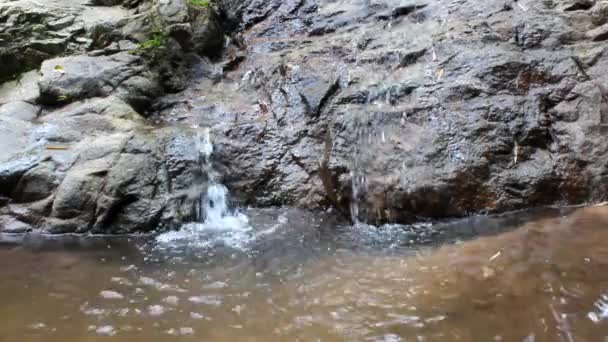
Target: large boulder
80	77
31	32
409	109
93	166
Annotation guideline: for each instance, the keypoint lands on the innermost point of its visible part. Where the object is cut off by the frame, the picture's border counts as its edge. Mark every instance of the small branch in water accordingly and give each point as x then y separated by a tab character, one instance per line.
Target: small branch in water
57	148
495	255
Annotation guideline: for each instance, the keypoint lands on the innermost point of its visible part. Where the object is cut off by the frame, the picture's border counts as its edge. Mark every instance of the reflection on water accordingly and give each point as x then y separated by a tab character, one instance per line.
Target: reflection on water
302	278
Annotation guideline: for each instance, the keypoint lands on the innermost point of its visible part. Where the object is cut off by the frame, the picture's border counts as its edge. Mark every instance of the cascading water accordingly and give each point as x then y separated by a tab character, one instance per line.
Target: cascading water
357	173
216	223
215	205
212	205
367	138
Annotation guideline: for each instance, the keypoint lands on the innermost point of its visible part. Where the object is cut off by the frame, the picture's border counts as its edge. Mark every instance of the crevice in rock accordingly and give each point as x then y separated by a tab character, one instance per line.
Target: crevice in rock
112	214
400	11
411	57
579	6
331	92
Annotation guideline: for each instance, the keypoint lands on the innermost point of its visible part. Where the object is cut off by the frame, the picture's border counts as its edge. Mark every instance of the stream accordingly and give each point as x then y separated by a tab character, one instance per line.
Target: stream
296	276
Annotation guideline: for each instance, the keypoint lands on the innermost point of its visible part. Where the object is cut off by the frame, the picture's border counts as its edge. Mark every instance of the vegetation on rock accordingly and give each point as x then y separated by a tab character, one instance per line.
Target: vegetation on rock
200	3
158	41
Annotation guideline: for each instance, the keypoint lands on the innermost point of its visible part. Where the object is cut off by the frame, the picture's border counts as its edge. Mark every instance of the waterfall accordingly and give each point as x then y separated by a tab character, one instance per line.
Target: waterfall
216	223
369	137
215	204
357	171
212	205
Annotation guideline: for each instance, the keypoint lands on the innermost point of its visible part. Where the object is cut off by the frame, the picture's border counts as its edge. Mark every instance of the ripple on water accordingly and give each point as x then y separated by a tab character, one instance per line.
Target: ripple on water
206	300
546	279
231	231
156	310
107	294
171	300
105	330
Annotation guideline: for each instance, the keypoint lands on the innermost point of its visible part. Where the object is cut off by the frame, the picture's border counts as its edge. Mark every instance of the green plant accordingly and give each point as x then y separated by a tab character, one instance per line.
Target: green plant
157	41
200	3
64	98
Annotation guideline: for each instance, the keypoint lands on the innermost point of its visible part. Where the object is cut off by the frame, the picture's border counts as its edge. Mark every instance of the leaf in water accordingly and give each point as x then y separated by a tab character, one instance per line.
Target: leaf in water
495	255
59	69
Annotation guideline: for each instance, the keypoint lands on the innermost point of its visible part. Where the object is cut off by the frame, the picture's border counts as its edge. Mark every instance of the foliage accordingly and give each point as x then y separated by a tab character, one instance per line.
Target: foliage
200	3
64	98
157	42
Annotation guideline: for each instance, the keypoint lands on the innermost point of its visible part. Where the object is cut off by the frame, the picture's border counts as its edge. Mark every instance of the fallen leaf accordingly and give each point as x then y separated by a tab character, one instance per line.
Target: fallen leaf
441	73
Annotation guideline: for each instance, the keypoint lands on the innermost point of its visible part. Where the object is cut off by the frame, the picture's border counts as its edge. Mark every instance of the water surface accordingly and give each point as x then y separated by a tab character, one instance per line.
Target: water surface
298	277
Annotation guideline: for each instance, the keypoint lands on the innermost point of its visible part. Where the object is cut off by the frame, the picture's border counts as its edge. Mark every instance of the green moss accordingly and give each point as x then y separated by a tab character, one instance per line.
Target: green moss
157	42
199	3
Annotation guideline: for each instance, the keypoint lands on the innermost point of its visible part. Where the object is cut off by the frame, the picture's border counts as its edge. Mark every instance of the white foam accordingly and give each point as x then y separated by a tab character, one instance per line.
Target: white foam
219	226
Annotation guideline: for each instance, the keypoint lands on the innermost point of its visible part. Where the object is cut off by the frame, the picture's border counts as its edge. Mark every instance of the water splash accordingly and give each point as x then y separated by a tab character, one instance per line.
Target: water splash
216	206
602	310
217	224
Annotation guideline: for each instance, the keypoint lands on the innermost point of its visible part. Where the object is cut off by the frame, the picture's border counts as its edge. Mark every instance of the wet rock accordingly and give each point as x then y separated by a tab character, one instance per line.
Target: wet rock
14	137
37	183
69	79
598	34
207	36
31	32
9	224
575	5
20	110
409	109
106	2
25	88
91	166
599	13
480	109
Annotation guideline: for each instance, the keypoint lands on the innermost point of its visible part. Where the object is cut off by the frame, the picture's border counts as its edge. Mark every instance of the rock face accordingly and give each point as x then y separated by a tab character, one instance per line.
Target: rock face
92	166
411	109
31	33
414	109
77	153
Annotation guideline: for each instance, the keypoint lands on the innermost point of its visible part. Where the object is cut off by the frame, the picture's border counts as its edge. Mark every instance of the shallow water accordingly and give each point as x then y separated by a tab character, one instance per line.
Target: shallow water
299	277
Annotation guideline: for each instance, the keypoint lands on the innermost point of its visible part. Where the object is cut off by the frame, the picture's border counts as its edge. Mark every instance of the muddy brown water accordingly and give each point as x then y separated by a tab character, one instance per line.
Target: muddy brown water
304	280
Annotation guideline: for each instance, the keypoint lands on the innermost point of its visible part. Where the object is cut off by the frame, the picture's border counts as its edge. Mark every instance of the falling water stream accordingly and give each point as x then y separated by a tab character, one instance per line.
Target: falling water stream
216	222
